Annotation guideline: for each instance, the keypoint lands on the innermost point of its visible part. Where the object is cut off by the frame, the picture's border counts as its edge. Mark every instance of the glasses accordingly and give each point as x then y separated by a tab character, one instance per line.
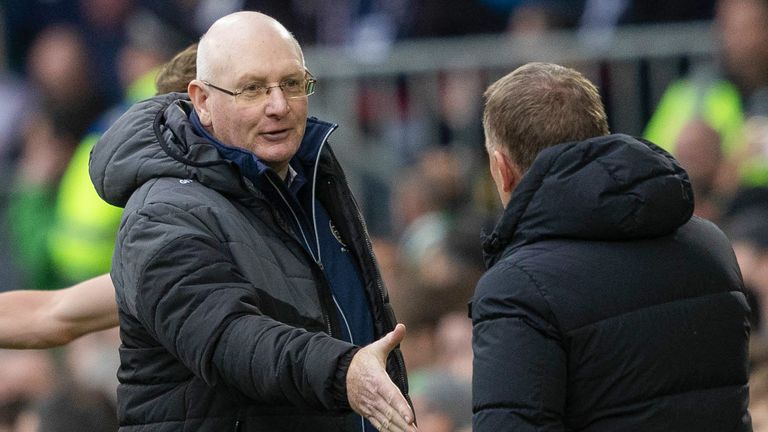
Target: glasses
256	92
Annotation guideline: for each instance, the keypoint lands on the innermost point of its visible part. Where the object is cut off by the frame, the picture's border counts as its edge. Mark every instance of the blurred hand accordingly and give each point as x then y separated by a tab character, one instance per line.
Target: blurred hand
372	393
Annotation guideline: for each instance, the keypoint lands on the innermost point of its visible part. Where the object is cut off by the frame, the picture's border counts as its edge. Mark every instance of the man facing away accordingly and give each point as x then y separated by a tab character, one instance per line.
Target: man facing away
244	274
606	306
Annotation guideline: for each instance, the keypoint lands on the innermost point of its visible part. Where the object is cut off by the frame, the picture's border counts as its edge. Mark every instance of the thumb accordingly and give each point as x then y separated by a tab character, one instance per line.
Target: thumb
387	343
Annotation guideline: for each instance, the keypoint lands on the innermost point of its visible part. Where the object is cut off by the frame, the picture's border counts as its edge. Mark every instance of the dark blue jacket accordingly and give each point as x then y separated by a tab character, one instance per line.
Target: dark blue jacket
606	306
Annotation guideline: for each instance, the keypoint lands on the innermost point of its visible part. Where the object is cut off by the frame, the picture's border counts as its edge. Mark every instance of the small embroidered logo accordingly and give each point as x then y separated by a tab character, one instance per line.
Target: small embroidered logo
185	181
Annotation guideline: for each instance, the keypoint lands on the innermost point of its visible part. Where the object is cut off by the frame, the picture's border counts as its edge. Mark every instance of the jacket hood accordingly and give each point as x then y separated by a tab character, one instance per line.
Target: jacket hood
155	138
610	188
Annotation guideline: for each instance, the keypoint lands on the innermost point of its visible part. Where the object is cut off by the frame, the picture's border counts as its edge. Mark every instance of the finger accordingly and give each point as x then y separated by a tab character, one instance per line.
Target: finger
397	402
375	422
390	340
388	413
389	420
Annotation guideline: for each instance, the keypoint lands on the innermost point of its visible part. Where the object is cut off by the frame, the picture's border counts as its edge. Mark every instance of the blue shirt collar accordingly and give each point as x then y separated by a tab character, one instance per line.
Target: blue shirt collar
315	134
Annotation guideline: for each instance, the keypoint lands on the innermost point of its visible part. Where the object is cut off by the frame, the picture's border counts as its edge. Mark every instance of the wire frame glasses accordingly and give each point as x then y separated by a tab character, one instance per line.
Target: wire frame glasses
257	92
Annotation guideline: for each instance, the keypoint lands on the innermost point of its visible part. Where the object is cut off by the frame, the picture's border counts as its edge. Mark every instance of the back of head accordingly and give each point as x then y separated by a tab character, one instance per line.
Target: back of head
175	75
539	105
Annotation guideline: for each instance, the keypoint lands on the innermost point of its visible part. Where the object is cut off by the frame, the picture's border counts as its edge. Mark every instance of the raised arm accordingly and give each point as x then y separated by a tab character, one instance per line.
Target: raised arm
45	319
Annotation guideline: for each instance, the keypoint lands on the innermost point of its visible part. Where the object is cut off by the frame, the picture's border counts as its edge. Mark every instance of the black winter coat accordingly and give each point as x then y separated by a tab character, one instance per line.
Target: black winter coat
224	316
607	307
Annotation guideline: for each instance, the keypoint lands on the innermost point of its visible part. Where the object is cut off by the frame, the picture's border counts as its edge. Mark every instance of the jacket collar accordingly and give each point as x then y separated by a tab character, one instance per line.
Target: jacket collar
610	188
316	134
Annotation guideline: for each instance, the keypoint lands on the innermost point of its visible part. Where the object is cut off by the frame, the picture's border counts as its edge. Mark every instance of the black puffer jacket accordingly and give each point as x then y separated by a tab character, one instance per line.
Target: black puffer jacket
224	316
606	306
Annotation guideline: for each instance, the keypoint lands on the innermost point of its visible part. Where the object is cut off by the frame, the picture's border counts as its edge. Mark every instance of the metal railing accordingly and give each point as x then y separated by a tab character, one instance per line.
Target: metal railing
392	100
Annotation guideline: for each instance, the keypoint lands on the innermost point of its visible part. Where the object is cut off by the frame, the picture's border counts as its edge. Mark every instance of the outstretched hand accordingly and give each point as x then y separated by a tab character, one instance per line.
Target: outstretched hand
370	391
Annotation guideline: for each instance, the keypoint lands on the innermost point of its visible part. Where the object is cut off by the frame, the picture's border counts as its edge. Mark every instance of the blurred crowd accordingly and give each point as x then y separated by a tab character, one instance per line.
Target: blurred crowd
69	67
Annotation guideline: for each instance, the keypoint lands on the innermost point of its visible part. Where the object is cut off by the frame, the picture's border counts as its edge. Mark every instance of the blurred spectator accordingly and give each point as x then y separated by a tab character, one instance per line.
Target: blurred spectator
12	118
93	360
748	232
443	402
758	396
61	68
25	377
71	408
726	93
78	209
454	344
460	103
698	150
23	20
430	294
75	242
27	374
104	24
600	18
44	157
535	17
9	414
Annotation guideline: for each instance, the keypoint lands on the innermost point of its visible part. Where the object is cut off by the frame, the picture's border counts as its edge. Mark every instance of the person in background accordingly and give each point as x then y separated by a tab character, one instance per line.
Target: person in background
606	306
82	234
748	232
726	94
699	151
242	267
31	319
52	129
70	408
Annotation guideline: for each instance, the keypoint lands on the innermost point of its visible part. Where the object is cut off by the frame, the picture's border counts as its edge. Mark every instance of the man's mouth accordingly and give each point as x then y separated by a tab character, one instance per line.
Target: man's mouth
276	134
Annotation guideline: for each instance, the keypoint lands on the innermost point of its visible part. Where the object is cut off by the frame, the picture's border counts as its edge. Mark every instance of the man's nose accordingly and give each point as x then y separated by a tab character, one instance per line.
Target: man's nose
277	103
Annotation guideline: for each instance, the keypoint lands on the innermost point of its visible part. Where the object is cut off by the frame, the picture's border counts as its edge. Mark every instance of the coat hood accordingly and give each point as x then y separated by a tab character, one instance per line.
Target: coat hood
609	188
155	138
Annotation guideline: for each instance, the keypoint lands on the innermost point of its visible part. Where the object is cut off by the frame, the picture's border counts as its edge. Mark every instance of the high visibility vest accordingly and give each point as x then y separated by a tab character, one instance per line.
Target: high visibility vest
719	104
716	102
82	238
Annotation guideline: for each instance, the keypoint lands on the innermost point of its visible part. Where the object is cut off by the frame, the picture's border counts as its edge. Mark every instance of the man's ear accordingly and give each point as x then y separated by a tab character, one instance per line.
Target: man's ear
199	98
507	170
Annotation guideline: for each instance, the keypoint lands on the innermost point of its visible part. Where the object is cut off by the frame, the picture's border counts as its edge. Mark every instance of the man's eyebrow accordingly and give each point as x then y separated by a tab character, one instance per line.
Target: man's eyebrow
250	78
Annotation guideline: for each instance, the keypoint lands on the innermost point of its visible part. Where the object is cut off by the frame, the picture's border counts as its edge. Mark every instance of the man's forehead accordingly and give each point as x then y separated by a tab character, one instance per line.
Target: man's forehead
258	58
249	29
265	71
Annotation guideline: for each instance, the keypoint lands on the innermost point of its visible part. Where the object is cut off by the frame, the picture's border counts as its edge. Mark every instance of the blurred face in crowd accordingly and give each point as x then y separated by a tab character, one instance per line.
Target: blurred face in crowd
58	63
743	28
240	51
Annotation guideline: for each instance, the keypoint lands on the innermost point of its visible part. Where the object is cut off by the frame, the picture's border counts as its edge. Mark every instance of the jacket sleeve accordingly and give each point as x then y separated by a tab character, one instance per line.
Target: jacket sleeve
190	296
519	369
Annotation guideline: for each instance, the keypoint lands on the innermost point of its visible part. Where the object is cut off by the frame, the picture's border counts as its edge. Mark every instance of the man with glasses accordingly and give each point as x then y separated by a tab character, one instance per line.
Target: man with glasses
245	279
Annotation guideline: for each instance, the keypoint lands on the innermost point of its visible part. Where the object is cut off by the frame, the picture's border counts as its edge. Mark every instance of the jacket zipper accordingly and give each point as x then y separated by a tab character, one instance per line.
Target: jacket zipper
324	307
316	259
377	274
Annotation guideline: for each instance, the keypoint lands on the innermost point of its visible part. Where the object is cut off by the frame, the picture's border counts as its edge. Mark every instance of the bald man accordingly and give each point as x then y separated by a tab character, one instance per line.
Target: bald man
248	295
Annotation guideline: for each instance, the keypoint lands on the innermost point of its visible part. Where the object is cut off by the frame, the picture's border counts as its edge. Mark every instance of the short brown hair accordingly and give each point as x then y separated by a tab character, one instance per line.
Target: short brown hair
175	75
539	105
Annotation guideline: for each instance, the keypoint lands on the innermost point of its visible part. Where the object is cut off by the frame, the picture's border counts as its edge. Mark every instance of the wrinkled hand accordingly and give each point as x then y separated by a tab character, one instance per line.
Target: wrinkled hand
372	393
